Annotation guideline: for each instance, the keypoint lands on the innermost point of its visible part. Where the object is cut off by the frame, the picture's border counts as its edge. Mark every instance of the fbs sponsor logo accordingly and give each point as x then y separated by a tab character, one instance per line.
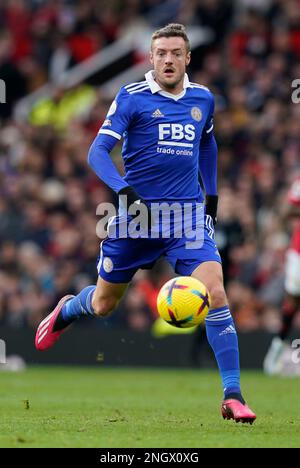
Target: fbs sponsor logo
174	134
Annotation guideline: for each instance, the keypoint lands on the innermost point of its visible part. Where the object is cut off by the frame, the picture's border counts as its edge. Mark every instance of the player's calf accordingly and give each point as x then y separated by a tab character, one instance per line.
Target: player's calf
220	330
218	296
106	297
104	306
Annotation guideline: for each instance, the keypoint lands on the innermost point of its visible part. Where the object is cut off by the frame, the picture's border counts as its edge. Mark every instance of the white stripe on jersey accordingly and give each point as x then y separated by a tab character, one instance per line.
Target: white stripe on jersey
139	90
210	129
210	226
133	85
100	259
110	132
133	88
196	85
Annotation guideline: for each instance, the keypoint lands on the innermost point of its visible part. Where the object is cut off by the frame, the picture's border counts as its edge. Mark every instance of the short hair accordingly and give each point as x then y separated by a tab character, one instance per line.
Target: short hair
172	30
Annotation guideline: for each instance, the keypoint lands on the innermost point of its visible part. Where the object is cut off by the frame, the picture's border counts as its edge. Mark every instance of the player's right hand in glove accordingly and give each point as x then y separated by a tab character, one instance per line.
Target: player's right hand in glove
137	207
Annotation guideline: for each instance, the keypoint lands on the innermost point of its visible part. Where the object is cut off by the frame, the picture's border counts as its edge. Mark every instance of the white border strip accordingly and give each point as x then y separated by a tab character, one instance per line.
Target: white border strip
175	143
111	133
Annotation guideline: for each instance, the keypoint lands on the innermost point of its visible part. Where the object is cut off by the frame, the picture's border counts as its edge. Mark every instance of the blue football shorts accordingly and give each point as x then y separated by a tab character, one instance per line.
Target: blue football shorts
121	257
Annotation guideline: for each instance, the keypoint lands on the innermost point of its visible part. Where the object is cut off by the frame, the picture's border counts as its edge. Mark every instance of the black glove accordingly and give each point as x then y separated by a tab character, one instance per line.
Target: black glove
211	207
135	201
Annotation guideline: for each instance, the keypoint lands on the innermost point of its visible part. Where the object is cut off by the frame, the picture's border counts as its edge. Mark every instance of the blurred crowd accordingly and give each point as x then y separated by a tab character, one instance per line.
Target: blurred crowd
49	196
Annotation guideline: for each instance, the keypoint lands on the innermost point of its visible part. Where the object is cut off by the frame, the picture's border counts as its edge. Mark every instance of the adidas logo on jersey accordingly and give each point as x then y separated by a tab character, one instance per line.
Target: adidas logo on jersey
228	330
157	113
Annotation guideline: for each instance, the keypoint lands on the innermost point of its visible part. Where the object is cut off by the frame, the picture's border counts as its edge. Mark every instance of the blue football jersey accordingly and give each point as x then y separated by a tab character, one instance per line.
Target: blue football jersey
162	134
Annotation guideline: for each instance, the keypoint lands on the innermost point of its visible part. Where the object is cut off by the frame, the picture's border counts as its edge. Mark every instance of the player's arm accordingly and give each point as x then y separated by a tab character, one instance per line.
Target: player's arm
116	123
100	161
208	166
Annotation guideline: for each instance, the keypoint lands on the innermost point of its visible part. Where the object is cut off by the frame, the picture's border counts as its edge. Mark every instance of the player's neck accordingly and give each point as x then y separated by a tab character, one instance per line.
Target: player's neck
171	90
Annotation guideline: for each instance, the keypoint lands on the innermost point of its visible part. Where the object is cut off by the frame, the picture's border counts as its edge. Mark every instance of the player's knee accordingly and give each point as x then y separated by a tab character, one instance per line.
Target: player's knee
218	296
104	306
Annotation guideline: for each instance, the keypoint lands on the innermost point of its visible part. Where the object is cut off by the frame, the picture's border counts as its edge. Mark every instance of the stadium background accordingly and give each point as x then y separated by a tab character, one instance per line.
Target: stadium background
246	52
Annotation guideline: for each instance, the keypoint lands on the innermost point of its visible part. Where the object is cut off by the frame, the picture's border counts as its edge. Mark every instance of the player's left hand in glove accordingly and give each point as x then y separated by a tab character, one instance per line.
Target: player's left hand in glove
210	219
137	207
211	208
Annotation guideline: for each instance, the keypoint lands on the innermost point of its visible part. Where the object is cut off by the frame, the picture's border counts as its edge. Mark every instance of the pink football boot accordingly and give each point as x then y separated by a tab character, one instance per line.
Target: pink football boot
234	409
45	336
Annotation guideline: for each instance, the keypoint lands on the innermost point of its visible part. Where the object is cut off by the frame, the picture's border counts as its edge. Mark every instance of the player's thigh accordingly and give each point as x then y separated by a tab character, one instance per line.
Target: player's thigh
107	296
119	260
210	273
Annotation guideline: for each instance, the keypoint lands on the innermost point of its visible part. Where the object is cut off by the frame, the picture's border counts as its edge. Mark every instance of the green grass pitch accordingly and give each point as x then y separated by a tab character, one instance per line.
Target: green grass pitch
106	407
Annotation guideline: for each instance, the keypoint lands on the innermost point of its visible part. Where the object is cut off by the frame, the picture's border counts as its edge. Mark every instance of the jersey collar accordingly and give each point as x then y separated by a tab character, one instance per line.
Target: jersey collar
155	88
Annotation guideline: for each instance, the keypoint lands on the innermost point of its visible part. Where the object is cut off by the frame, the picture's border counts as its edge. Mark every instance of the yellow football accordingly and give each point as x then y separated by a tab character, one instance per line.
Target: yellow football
183	302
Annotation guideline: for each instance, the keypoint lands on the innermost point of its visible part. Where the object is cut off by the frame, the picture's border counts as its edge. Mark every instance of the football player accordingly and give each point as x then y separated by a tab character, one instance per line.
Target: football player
167	125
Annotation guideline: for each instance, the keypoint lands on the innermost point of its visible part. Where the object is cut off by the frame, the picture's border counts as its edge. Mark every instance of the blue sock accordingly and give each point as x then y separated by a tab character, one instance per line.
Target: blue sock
222	337
78	306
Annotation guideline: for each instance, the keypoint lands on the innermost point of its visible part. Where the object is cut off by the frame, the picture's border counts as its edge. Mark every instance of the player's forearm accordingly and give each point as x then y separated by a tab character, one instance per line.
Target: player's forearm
100	161
208	156
208	170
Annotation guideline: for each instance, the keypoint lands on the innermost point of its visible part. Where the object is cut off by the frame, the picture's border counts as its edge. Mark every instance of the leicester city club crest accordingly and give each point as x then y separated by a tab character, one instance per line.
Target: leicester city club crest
108	265
196	114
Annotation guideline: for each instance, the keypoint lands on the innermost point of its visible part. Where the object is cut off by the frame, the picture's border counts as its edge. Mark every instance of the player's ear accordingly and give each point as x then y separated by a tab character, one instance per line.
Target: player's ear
188	58
151	57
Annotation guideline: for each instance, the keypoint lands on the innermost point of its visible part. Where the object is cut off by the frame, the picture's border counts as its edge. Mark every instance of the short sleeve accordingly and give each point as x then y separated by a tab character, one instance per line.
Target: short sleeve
119	115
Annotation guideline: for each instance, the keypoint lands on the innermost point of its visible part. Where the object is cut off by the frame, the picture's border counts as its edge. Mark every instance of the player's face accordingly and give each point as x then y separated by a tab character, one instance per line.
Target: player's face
170	57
